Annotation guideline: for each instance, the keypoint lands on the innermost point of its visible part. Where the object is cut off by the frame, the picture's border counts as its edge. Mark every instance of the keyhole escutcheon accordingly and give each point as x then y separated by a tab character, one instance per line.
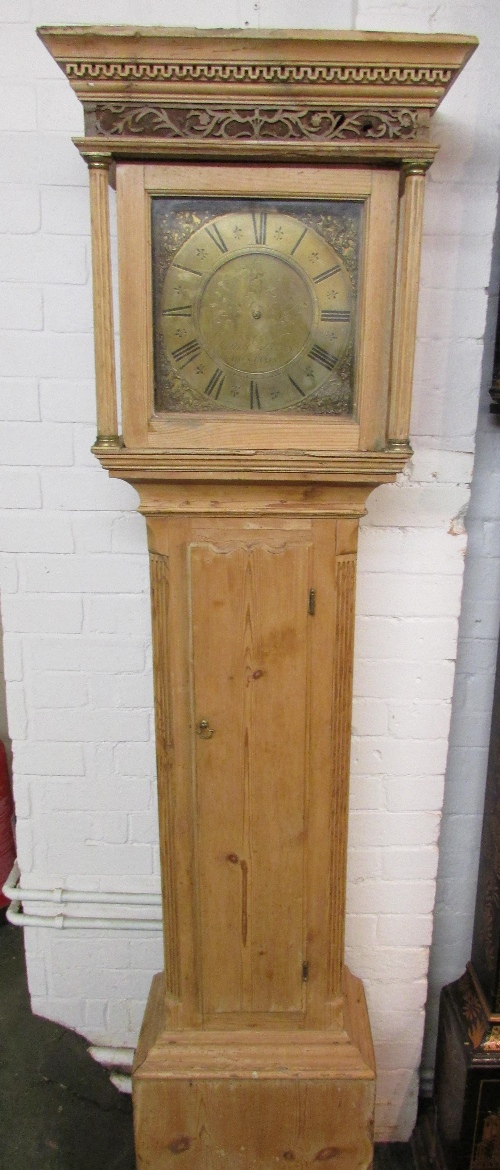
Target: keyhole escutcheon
204	730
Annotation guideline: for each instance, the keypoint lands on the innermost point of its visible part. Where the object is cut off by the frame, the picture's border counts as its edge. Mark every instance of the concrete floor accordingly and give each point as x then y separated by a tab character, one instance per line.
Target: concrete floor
58	1110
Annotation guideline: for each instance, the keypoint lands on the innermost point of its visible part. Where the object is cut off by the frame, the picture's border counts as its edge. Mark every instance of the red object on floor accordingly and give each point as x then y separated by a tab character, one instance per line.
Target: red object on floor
7	846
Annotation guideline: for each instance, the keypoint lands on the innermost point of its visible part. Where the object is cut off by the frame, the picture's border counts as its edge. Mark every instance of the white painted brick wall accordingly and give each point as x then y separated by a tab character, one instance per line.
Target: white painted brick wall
74	574
470	726
451	361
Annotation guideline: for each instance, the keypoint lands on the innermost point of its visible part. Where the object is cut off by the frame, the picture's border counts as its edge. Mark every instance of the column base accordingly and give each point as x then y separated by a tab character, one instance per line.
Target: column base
255	1098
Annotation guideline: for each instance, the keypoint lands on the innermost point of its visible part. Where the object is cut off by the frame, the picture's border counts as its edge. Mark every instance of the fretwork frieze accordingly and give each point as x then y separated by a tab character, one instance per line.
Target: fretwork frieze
284	122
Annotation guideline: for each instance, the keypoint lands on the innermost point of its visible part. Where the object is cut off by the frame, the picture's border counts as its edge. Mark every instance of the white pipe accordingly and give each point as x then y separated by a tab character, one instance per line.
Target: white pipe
16	893
143	917
116	1058
113	1057
73	922
89	897
124	1084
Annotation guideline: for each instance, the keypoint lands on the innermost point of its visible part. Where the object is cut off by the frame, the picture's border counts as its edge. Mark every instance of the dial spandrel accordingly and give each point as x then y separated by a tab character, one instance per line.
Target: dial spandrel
254	305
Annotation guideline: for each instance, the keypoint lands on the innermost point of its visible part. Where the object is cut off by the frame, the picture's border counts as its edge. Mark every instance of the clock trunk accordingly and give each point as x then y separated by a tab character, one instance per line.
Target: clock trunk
253	633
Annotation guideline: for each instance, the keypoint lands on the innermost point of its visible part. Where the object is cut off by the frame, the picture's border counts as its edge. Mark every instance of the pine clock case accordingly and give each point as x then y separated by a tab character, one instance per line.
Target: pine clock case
256	1044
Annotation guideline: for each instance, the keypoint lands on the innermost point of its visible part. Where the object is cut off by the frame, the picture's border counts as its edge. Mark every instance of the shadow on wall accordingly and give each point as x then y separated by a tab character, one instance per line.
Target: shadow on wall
461	823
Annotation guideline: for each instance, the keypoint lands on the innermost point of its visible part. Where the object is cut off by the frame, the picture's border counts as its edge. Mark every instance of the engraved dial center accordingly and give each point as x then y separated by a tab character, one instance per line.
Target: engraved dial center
255	313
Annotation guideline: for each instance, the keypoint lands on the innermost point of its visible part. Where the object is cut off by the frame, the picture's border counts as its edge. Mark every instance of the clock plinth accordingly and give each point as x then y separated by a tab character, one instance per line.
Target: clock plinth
255	1097
267	320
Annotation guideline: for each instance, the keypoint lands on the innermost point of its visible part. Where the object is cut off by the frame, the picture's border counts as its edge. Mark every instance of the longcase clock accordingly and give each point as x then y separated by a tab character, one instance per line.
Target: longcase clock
269	192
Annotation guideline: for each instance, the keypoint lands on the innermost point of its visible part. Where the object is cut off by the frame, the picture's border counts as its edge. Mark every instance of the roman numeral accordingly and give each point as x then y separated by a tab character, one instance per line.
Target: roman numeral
324	275
178	311
184	268
254	396
186	353
215	236
259	226
323	357
299	241
215	384
335	315
297	387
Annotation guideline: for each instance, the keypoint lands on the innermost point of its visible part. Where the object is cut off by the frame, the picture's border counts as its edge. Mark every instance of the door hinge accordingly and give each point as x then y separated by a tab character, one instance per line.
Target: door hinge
305	972
312	602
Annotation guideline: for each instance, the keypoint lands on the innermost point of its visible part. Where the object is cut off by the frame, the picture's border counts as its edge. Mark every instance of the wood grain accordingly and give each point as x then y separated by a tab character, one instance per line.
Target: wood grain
394	68
260	1123
250	680
227	433
375	321
104	344
255	815
345	585
255	1098
220	179
369	152
159	606
209	468
135	303
406	308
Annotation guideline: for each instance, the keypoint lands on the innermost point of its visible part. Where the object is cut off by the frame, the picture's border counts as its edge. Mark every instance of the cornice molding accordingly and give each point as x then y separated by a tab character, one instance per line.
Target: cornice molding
275	88
251	74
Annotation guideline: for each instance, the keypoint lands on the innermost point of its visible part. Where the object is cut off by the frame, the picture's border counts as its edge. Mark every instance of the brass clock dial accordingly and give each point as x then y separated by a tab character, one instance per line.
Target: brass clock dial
256	311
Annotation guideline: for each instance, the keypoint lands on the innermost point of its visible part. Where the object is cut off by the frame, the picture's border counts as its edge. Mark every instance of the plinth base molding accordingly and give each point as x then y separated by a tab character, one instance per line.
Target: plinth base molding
256	1098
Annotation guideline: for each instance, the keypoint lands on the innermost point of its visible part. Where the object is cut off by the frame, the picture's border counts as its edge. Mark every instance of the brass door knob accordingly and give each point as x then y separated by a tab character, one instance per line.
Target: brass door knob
204	730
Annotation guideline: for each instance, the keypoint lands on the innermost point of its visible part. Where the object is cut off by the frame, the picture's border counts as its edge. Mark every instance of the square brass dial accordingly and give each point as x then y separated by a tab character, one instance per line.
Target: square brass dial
254	304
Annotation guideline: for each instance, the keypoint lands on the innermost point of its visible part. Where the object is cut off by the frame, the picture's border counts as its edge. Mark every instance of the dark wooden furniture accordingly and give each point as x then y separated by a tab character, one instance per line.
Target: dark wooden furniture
467	1085
495	378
